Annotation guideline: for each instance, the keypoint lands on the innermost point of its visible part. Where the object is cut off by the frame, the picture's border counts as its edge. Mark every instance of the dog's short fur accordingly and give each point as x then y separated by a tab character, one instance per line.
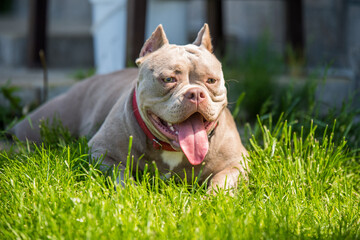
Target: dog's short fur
181	98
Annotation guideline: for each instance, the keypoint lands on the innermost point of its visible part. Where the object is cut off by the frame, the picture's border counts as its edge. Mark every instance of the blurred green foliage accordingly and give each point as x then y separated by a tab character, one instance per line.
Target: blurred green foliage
83	74
11	108
254	74
255	89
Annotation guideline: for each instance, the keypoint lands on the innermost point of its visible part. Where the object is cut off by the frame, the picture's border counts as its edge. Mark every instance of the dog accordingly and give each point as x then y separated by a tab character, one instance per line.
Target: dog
174	105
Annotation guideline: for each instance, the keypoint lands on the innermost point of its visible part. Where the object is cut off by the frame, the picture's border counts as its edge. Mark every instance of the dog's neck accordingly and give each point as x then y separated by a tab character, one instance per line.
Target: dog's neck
157	144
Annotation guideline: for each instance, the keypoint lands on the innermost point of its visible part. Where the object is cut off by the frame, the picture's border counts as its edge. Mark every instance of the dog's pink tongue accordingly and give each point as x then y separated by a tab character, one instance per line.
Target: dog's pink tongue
193	139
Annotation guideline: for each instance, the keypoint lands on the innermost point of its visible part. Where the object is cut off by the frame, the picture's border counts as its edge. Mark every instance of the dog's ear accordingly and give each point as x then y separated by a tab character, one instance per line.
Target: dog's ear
204	39
156	41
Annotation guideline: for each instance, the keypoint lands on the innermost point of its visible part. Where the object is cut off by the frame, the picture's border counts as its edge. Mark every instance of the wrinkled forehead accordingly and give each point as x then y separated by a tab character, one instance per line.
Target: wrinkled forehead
188	58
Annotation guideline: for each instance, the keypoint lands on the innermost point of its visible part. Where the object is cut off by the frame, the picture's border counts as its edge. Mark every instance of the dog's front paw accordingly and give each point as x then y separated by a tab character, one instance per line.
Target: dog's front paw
228	179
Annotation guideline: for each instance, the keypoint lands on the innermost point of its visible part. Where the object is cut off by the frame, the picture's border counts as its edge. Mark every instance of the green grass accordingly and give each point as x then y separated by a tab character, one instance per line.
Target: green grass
300	187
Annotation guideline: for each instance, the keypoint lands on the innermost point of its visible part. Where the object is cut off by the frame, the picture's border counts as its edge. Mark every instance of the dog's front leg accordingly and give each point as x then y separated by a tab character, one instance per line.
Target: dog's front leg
227	179
112	168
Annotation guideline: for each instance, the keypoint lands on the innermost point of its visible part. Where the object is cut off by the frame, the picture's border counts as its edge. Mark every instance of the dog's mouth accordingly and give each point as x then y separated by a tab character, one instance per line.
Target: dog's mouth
191	135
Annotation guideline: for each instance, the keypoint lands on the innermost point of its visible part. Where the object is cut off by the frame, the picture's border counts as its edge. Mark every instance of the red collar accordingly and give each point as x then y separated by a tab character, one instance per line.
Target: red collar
157	144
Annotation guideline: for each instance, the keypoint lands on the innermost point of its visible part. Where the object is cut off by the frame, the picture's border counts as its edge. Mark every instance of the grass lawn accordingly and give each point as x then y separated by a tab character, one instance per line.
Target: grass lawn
300	187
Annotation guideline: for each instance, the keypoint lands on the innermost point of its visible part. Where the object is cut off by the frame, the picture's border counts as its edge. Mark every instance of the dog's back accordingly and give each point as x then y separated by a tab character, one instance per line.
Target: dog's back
83	108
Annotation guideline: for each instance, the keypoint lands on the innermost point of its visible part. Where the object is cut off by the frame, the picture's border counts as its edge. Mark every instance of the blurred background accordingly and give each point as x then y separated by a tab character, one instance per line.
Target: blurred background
295	59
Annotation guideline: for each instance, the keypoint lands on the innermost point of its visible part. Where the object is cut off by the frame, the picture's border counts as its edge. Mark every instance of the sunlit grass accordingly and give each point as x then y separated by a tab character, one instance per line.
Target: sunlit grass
299	187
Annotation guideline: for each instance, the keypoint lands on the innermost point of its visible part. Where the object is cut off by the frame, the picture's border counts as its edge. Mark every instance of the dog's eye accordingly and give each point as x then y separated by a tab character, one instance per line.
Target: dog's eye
211	80
169	80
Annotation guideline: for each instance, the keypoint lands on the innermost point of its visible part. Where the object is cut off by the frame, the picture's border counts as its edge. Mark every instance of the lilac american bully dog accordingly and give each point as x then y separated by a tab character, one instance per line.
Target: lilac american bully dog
174	105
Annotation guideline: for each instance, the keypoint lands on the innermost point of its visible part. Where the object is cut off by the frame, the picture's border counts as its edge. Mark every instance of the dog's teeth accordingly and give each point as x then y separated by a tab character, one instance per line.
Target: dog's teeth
177	133
169	124
172	128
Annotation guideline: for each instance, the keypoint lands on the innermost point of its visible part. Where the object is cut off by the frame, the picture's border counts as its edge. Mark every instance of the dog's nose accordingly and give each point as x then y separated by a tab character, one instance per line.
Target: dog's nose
195	95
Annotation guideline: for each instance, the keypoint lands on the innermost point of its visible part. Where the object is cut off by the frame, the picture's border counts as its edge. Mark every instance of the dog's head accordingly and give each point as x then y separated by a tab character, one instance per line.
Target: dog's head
181	92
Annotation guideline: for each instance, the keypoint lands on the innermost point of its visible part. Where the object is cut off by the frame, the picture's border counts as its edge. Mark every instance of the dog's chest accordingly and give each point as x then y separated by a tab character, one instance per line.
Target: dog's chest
172	159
